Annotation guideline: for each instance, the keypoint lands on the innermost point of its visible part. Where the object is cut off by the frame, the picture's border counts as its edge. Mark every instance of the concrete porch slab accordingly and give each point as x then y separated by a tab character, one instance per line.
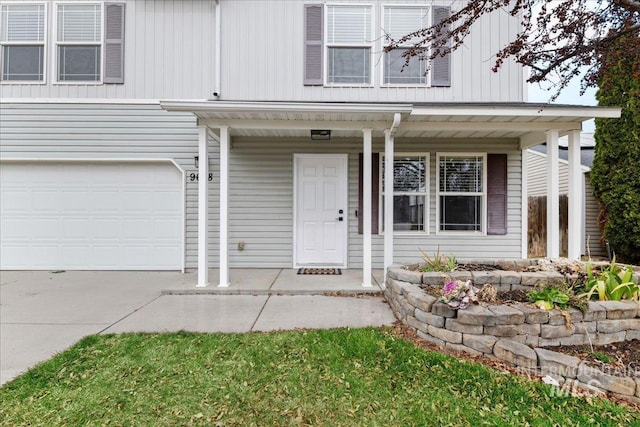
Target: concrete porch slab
349	280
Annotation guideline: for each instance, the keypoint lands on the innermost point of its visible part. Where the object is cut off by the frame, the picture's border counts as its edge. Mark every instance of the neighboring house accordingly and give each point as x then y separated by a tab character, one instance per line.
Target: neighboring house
537	186
110	111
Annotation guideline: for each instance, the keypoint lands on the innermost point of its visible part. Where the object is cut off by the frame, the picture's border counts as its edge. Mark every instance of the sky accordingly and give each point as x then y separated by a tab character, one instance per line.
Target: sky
569	95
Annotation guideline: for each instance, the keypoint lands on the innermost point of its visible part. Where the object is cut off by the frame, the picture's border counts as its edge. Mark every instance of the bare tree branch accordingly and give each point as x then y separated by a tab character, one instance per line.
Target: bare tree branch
559	38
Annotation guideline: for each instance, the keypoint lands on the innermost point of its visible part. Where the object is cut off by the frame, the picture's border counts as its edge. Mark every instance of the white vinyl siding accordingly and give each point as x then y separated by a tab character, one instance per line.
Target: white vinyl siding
260	181
399	22
79	42
349	40
22	40
158	64
279	51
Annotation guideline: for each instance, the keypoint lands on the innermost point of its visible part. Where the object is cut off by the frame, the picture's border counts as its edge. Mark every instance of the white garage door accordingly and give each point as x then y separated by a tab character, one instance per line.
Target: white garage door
90	216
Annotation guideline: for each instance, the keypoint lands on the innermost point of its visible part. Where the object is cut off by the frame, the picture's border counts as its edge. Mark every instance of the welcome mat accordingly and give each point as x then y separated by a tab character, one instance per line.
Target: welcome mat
320	271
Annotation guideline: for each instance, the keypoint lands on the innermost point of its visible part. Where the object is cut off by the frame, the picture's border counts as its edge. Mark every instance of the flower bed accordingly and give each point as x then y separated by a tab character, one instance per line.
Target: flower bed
513	332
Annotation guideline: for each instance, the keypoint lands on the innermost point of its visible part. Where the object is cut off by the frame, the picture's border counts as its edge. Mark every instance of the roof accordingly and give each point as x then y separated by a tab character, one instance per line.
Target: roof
587	149
527	122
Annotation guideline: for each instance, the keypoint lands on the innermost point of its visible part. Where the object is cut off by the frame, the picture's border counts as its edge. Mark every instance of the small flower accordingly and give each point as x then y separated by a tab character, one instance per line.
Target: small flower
450	287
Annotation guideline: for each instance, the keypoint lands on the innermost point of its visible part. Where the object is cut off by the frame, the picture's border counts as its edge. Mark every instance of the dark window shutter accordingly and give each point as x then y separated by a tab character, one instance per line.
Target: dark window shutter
313	26
375	192
441	65
497	194
114	43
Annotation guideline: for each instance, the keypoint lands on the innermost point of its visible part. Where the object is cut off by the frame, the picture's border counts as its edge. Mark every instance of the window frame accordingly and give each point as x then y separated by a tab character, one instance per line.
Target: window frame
327	45
429	19
56	44
426	194
483	195
44	44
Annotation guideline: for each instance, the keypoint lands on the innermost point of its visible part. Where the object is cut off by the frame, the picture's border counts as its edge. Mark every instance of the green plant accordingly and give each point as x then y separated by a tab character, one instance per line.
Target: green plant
548	298
614	174
612	284
439	262
601	356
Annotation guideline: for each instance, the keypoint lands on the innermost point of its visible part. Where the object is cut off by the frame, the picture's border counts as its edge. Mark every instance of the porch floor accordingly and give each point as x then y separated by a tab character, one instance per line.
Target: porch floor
280	281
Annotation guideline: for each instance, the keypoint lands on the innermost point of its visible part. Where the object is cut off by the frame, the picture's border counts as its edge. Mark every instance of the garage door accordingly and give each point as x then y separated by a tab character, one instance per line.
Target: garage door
90	216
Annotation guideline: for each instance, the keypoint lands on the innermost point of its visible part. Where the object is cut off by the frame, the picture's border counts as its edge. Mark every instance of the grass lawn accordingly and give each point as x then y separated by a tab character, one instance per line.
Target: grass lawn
338	377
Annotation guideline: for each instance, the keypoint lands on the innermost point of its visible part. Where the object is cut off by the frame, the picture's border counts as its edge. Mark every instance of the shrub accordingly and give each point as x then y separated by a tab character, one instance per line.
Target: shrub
612	284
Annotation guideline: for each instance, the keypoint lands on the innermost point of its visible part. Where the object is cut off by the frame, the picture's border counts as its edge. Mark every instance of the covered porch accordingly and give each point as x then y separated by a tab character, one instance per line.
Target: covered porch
475	125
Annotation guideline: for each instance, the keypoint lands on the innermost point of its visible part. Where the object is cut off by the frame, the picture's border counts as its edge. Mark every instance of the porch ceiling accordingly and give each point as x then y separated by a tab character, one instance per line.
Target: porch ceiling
527	122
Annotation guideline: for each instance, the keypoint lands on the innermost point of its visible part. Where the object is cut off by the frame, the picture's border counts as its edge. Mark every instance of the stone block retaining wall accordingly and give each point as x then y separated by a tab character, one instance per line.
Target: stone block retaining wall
513	332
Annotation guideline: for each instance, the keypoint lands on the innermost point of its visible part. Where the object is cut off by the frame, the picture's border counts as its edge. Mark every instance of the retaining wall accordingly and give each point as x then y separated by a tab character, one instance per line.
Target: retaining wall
513	332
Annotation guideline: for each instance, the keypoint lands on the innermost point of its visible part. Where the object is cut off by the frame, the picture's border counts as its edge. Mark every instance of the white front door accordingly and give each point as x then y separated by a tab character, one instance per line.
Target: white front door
320	210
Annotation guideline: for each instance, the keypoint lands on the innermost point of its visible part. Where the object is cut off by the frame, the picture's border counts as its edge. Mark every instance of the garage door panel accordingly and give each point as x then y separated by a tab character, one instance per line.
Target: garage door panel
91	216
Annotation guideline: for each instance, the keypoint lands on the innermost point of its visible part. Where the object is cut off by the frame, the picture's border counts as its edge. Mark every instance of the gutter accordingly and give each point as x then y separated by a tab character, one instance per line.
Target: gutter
218	46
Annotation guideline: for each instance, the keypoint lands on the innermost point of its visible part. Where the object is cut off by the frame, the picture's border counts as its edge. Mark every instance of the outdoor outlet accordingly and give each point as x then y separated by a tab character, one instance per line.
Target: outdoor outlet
241	246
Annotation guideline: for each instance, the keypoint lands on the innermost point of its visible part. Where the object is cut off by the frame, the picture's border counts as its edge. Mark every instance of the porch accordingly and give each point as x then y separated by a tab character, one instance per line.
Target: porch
282	281
495	216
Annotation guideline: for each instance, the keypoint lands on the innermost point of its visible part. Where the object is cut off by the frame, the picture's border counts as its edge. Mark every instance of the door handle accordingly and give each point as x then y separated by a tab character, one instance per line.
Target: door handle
339	218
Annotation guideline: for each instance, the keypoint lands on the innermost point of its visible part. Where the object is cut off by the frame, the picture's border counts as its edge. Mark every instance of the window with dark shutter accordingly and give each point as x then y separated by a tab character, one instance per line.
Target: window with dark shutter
114	43
375	192
497	194
313	25
441	65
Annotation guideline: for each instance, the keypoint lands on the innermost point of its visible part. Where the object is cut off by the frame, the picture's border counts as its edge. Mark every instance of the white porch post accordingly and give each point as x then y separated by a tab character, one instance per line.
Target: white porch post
576	202
203	206
553	194
525	204
366	208
388	200
224	207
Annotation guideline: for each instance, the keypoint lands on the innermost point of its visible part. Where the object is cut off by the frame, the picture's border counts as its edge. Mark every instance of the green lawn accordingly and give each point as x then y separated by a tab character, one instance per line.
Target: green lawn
339	377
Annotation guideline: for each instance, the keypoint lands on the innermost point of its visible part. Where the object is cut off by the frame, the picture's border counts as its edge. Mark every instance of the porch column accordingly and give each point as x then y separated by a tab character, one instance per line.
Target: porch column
203	207
388	200
224	207
366	208
553	193
576	202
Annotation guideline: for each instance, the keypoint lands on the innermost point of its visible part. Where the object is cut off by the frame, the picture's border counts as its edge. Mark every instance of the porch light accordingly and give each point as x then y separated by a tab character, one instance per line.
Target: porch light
195	161
320	134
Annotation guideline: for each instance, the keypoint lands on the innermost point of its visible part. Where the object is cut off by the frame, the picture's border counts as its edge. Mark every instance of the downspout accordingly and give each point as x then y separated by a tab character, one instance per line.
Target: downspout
396	122
218	45
388	201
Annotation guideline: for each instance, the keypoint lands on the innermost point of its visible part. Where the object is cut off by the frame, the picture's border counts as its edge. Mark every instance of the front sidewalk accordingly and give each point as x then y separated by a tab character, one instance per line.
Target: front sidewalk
43	313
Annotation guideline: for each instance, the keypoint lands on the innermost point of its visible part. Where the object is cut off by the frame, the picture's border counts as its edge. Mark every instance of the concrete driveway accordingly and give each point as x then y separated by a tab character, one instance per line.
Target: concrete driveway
43	313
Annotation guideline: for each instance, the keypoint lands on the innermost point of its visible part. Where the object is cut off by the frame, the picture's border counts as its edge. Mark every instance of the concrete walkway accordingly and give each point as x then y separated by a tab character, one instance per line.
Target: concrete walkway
43	313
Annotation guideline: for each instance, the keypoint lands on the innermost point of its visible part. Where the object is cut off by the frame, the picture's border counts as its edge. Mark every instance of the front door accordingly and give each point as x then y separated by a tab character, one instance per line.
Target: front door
320	210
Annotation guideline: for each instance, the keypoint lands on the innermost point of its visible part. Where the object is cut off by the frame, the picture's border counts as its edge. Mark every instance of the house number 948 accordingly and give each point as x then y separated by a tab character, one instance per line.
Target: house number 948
193	177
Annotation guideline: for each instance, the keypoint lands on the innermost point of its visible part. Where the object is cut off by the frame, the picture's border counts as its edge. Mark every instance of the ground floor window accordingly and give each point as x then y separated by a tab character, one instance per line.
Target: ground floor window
410	192
461	192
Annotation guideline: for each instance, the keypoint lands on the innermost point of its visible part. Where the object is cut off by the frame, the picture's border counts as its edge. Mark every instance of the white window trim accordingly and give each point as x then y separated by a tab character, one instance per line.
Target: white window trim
326	45
483	194
55	44
427	194
383	7
45	43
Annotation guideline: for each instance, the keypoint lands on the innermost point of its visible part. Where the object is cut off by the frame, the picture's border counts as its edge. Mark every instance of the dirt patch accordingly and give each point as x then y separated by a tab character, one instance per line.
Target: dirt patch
622	357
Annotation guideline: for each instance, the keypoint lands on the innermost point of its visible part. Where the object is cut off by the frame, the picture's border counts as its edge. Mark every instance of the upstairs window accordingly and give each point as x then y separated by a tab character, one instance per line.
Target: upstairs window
349	44
23	42
461	193
398	22
79	42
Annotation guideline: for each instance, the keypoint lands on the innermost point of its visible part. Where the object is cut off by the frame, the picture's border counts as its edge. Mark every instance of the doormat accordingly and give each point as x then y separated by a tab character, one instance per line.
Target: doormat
320	271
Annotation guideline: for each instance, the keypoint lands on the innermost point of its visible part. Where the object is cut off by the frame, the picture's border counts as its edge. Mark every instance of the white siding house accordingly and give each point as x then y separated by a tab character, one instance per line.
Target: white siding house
182	134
